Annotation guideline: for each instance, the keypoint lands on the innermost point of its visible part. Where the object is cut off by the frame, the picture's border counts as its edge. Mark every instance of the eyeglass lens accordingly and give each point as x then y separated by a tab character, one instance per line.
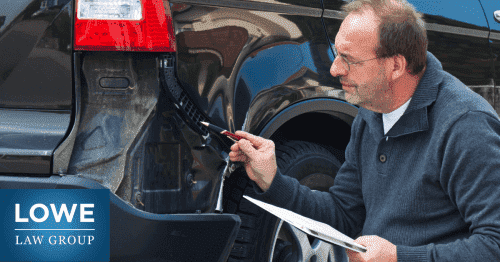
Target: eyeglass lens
342	59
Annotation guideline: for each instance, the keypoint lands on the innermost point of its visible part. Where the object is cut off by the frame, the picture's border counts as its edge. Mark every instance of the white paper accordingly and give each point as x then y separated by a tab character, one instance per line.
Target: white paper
312	227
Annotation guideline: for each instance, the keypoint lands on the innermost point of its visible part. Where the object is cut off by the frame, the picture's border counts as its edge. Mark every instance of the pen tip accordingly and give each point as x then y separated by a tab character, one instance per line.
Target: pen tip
204	123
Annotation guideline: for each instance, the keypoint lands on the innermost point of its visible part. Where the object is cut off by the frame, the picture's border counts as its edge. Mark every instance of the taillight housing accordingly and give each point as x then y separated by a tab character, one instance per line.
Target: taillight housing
124	25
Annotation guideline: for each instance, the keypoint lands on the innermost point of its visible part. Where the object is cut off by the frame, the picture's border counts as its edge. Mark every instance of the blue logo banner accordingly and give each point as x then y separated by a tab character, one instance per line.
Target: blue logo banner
54	224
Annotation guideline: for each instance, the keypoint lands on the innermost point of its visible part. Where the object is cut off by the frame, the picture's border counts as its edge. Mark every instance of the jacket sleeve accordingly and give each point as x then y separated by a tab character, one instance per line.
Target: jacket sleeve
342	207
470	175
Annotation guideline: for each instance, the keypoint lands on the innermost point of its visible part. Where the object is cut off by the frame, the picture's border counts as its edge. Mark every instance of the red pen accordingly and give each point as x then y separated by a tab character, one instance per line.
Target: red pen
217	129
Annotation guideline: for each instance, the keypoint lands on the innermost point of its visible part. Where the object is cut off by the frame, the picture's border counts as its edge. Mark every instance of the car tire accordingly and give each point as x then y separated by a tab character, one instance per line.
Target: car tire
260	237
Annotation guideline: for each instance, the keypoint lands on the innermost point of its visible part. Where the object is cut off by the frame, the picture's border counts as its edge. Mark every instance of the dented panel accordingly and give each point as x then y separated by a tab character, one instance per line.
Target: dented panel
134	140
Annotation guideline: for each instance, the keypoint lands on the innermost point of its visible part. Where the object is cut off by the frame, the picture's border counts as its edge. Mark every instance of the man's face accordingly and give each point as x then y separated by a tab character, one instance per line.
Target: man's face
366	83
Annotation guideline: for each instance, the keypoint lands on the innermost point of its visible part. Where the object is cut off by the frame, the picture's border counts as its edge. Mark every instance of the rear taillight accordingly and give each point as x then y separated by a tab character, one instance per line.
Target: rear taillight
124	25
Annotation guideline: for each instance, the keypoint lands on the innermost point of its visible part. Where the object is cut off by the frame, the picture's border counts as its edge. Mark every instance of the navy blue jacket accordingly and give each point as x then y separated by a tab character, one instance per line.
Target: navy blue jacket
436	192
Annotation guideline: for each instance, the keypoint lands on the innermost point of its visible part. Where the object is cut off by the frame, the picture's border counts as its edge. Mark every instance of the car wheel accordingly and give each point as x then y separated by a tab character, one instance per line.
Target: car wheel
264	237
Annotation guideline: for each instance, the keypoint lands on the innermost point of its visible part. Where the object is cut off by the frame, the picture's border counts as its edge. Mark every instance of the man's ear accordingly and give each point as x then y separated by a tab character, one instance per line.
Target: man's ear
398	68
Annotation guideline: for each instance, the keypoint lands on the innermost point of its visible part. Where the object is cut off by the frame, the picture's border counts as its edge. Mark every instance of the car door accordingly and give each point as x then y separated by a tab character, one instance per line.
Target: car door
458	36
492	12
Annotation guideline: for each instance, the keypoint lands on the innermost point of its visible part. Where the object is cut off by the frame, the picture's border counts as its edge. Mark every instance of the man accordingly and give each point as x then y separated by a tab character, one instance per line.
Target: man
421	180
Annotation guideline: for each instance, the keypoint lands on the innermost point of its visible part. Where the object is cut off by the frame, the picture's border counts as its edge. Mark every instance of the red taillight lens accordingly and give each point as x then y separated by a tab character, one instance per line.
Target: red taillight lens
124	25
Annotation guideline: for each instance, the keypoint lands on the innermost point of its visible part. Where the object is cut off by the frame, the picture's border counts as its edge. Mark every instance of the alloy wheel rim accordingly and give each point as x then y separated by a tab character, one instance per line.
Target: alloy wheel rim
302	248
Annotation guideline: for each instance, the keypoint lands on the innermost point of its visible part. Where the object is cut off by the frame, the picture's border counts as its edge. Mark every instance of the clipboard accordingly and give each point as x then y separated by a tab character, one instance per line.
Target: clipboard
309	226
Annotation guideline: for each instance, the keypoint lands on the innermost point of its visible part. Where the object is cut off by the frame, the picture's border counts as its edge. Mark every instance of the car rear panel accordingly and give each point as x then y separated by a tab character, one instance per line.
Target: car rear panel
109	119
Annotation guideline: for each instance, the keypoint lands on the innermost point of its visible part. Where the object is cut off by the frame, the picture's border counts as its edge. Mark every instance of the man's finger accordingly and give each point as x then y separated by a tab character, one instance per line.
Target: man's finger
235	147
240	158
352	255
247	148
367	240
233	154
237	156
255	140
236	153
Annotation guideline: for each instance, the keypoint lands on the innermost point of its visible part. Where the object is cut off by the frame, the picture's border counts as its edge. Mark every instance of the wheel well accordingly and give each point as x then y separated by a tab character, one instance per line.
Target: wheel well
321	128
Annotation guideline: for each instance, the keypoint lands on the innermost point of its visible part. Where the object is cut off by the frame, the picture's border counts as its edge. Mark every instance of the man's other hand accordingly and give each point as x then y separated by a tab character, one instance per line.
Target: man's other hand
258	155
378	250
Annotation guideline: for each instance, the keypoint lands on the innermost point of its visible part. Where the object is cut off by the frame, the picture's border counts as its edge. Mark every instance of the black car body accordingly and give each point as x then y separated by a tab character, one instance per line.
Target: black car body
128	120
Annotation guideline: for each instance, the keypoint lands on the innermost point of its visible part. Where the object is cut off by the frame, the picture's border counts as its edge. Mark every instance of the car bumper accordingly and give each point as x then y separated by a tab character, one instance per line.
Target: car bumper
136	235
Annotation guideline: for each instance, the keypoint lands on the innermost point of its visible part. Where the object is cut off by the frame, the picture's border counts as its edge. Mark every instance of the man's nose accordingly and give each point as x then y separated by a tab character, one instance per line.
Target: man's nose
337	69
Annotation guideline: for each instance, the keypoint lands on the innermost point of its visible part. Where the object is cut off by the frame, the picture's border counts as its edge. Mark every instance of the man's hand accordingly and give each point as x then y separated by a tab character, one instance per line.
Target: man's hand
378	249
258	155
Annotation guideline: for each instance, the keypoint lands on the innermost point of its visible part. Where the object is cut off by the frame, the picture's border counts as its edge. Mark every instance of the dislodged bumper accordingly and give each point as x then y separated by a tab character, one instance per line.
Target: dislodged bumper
136	235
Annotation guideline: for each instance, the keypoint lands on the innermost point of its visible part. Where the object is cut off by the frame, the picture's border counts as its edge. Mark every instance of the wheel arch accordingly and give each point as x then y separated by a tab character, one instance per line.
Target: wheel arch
328	123
324	121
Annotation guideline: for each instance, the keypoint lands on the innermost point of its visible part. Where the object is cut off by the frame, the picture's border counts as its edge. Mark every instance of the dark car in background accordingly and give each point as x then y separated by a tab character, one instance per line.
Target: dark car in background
110	94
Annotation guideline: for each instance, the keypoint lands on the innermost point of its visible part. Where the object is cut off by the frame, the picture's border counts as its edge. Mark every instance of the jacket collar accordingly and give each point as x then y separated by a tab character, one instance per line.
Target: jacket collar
415	117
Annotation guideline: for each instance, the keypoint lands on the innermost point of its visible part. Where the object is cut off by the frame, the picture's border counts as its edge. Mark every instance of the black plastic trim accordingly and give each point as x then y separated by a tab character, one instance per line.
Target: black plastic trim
259	6
337	108
181	98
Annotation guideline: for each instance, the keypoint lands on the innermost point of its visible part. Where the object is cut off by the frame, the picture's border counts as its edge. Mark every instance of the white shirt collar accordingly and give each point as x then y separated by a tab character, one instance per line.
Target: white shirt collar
391	118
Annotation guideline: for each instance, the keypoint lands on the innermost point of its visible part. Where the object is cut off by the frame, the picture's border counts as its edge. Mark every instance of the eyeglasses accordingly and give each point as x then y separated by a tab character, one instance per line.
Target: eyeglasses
344	61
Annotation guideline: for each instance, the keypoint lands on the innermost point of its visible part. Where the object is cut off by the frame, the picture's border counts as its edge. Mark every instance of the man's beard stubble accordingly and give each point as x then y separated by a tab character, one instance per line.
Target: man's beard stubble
352	96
